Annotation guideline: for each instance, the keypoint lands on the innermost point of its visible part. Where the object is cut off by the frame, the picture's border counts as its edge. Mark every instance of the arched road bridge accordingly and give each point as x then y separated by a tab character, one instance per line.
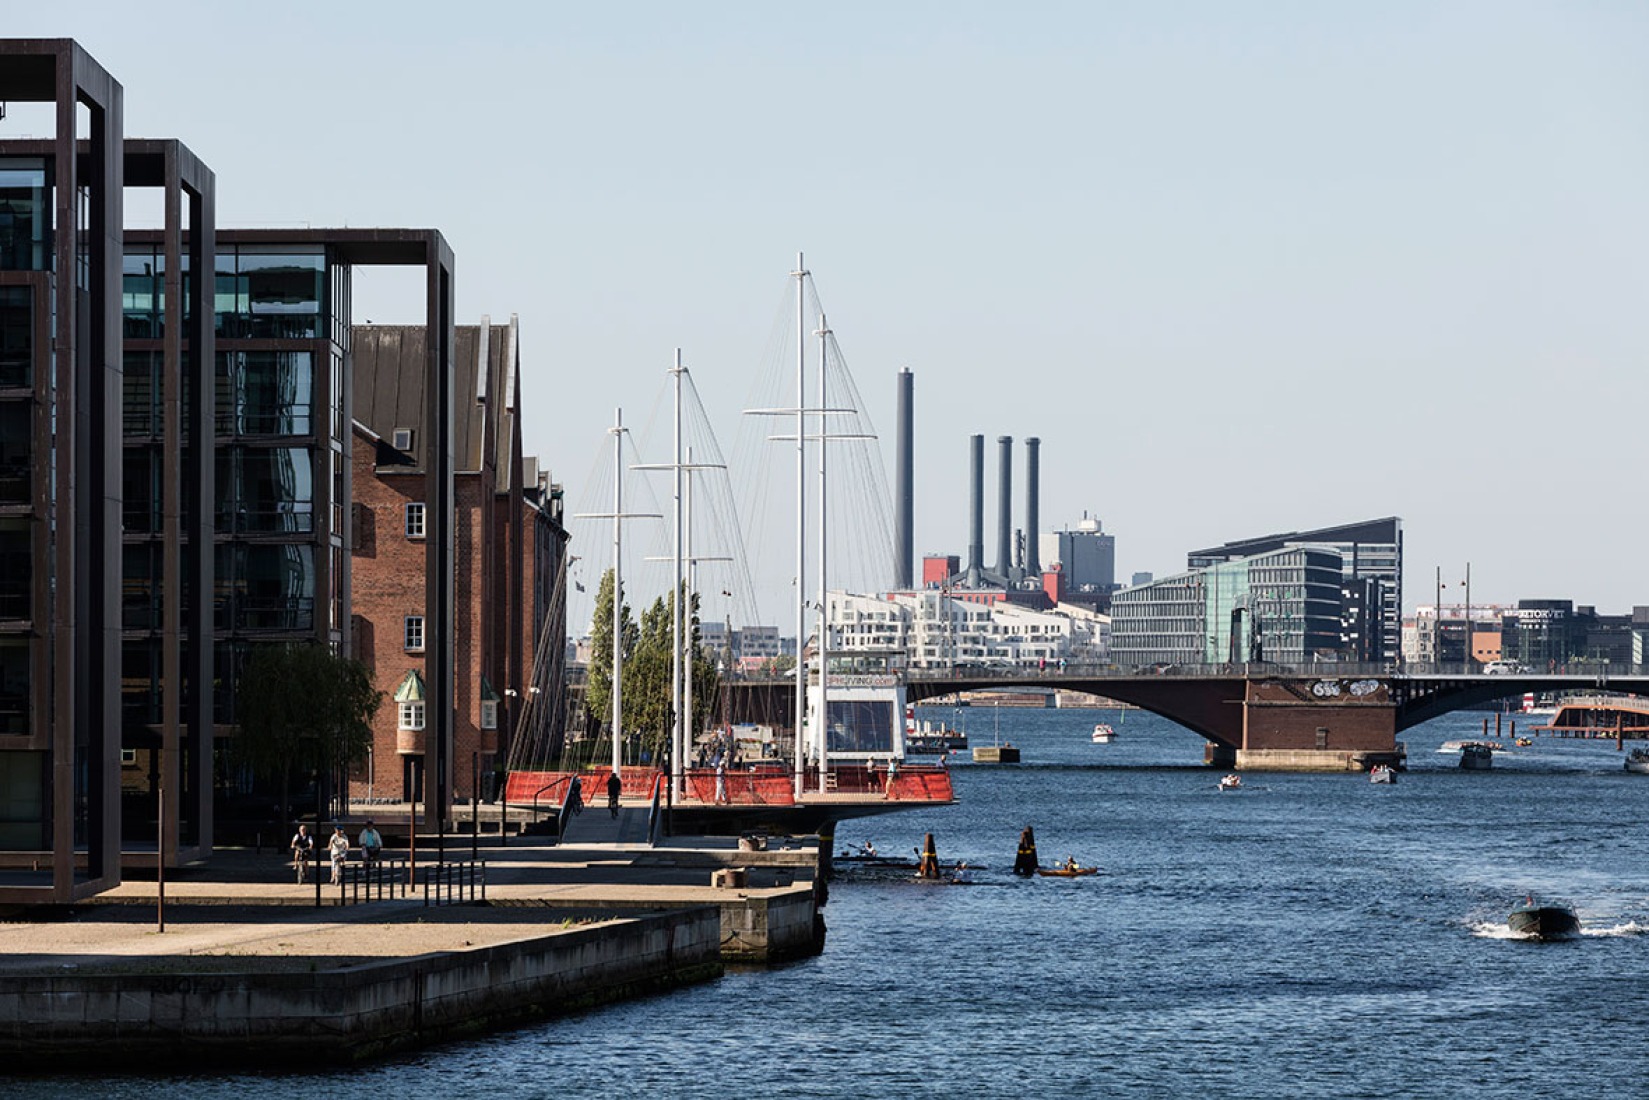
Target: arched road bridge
1324	717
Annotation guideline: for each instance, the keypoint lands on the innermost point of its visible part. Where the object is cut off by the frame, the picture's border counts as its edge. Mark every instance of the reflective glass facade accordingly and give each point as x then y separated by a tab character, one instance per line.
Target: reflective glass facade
25	214
1282	607
276	468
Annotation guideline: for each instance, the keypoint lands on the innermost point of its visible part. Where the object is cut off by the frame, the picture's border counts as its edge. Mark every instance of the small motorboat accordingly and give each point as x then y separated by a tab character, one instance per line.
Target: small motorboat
1382	773
1523	742
1476	756
1543	922
1231	783
1067	870
1638	761
1103	734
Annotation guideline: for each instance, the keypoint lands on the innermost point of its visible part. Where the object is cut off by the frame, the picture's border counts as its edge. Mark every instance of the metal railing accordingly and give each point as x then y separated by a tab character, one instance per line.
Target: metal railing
373	880
455	882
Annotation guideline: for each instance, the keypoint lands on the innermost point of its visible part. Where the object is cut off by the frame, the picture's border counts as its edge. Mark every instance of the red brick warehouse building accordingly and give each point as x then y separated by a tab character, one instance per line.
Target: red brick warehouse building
510	544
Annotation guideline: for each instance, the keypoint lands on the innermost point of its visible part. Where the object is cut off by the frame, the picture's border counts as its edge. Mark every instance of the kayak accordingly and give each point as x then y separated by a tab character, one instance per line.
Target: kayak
1067	872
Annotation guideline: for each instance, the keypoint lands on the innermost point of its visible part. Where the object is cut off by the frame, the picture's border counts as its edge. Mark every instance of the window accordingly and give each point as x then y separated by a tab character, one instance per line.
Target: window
415	634
489	714
401	439
415	521
128	758
411	716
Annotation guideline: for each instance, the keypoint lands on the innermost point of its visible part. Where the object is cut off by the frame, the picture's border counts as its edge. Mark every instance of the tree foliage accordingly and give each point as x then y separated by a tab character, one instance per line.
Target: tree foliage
301	707
648	706
598	686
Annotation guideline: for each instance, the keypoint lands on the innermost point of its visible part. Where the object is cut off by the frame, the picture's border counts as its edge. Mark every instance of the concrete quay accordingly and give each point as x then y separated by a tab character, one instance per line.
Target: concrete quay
249	972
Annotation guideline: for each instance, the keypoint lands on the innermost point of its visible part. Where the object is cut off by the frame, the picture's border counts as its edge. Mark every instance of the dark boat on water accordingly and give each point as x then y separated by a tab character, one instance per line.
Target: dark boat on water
1543	922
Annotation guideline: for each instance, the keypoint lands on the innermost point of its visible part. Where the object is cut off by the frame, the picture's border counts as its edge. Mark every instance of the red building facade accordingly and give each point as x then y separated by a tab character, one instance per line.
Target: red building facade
509	546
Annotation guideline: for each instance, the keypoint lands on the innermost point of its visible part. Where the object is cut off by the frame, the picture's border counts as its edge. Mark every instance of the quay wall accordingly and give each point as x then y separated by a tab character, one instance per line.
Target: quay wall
172	1018
772	927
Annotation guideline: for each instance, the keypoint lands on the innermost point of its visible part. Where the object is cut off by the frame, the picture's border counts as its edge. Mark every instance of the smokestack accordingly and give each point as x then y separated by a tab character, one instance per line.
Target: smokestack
976	507
904	547
1004	506
1033	494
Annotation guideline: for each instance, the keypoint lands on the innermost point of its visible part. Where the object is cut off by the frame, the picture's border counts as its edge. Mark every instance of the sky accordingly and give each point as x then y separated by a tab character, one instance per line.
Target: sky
1242	268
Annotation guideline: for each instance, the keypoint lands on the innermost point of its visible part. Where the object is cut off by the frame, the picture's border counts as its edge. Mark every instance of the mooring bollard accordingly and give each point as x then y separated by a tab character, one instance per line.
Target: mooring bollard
928	866
1025	862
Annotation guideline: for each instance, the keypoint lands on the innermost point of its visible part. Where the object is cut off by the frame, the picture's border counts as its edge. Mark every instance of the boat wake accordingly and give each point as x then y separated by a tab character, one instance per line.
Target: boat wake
1497	930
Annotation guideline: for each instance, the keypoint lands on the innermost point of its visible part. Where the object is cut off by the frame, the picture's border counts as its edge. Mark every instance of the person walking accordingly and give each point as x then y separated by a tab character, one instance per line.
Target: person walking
371	843
721	781
302	844
615	787
338	846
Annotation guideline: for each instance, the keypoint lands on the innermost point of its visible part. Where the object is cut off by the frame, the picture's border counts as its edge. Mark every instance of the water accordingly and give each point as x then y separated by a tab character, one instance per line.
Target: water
1309	935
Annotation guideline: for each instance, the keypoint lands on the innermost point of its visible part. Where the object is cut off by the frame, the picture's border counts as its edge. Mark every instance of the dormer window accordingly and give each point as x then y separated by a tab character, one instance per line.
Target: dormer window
401	439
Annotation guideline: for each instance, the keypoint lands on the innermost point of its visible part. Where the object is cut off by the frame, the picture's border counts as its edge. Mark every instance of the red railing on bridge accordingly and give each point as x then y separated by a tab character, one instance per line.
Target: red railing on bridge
764	785
744	786
520	787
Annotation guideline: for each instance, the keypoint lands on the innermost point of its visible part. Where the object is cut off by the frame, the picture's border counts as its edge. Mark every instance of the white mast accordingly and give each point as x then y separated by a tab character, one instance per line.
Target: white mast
618	515
618	586
823	717
801	518
687	652
676	740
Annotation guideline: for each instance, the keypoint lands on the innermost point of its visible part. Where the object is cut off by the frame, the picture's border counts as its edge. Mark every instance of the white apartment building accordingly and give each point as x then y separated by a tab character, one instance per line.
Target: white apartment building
931	629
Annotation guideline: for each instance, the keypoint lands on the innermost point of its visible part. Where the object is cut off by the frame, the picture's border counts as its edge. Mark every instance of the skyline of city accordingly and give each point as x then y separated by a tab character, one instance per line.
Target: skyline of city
1240	275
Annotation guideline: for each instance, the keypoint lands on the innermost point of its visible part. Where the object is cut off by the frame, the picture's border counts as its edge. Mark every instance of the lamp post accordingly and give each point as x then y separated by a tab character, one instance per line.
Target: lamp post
1471	658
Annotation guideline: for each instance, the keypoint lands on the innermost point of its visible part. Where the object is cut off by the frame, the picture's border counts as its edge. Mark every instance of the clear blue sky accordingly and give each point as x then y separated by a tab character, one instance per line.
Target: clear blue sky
1242	267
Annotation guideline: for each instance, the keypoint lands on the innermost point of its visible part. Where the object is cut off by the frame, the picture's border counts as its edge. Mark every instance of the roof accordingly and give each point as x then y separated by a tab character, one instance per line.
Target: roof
411	689
1386	530
389	377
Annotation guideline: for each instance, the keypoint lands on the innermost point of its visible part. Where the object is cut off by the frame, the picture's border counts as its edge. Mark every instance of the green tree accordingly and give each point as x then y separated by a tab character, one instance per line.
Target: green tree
598	685
647	703
301	707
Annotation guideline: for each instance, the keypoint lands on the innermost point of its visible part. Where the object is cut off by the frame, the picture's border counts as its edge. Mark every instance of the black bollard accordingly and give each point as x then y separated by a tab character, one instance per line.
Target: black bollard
928	866
1025	862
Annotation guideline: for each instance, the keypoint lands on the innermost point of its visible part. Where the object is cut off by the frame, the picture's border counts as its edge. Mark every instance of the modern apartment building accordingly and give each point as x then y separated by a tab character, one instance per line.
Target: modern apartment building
176	480
929	629
61	206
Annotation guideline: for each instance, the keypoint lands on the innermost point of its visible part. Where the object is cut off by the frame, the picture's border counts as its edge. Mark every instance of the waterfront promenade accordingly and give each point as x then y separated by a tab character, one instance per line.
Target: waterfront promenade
250	970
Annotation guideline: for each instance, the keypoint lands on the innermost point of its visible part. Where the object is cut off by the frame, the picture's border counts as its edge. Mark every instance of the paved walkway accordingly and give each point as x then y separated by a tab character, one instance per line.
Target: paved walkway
244	904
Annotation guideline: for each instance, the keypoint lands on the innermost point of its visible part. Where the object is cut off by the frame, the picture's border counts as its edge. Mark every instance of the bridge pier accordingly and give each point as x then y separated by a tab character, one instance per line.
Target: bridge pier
1325	724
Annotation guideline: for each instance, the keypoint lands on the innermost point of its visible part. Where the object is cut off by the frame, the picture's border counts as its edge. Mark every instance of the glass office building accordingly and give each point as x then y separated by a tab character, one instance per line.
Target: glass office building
1282	607
1371	555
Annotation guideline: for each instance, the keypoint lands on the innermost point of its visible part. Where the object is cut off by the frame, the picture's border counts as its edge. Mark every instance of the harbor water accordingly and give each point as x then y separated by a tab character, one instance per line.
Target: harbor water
1307	935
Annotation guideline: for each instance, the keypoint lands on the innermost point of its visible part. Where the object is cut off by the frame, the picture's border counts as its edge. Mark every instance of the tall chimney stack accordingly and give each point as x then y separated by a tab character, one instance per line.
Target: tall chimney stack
1004	506
976	508
904	546
1033	503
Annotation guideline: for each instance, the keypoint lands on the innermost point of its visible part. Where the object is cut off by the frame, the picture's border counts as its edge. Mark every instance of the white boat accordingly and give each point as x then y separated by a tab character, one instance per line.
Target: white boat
1638	761
1382	773
1231	783
1103	734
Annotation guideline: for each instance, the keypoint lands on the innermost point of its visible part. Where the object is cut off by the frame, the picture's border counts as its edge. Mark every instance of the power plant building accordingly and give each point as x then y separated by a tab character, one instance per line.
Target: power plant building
1086	557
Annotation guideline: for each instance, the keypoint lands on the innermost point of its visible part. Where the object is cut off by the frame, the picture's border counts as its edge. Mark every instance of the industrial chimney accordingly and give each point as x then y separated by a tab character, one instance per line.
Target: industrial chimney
1004	507
1033	493
976	508
904	547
